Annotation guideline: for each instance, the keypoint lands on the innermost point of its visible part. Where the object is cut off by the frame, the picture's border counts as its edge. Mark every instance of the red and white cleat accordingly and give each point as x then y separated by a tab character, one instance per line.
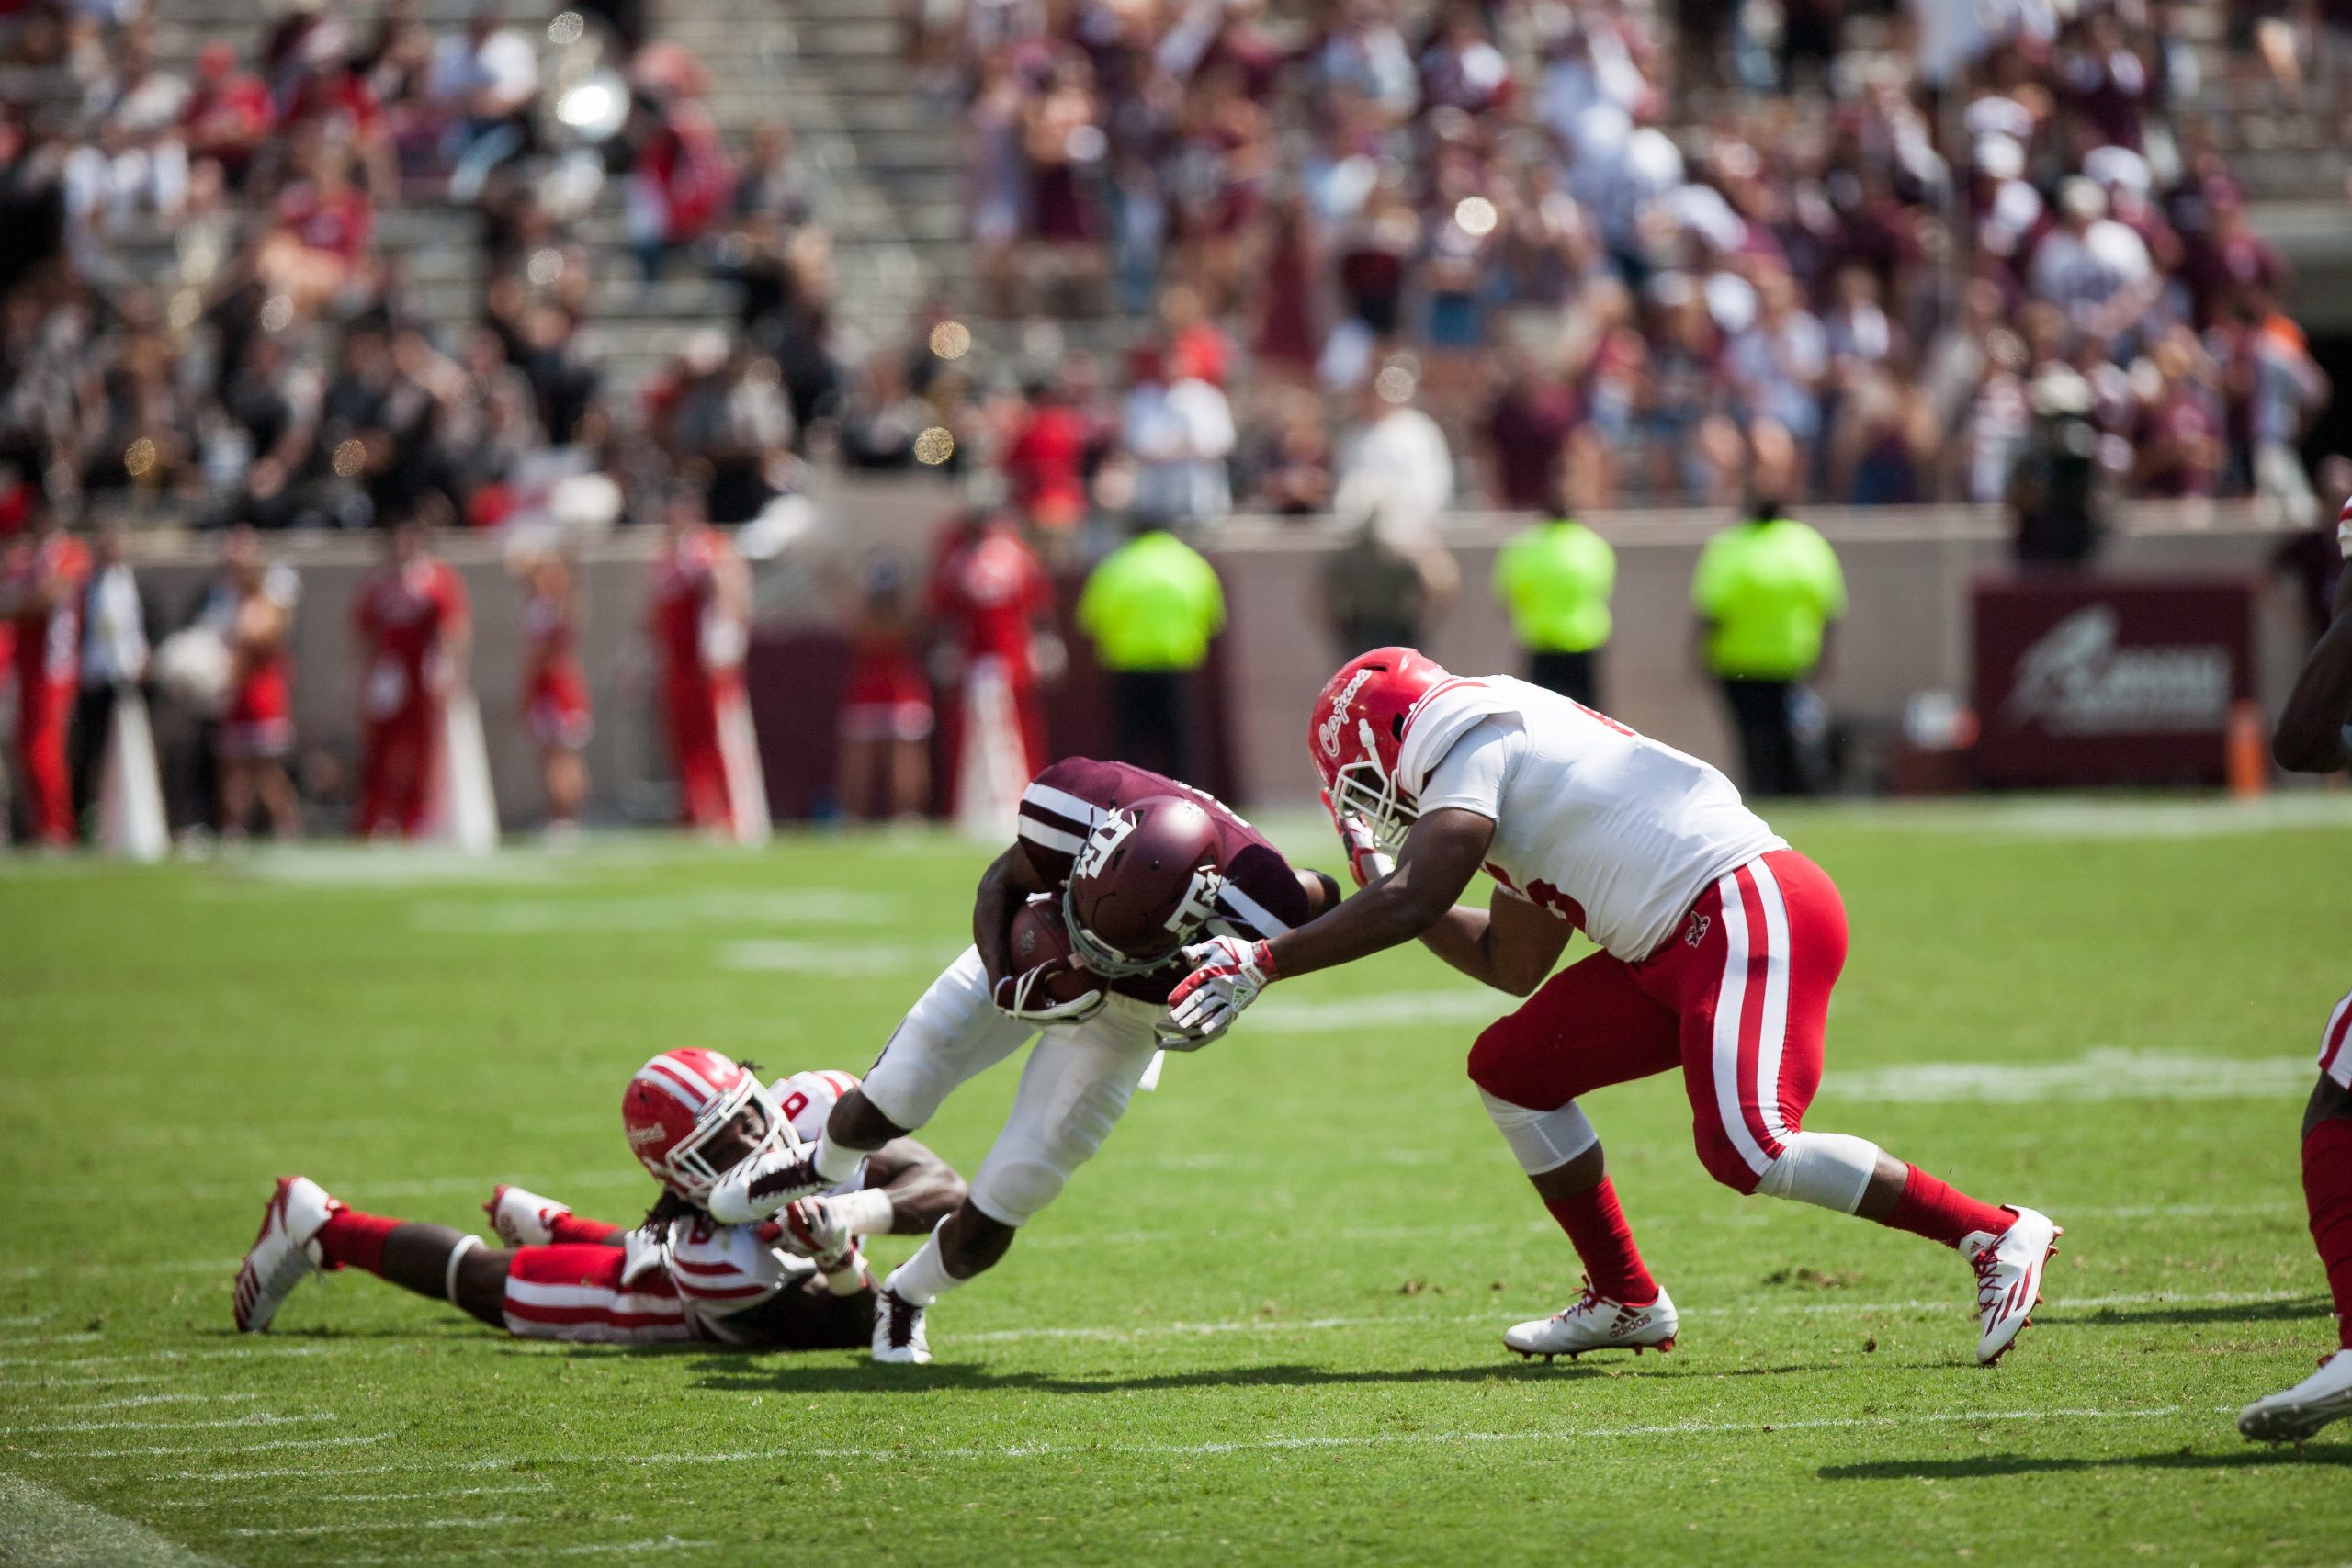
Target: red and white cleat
284	1252
523	1218
2008	1278
1596	1322
2292	1415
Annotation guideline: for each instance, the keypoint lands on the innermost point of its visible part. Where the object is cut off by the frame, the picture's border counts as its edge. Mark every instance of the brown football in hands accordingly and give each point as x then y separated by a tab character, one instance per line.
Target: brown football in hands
1038	935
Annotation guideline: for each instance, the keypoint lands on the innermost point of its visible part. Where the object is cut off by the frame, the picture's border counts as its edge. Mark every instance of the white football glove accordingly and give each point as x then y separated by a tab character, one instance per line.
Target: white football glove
1228	973
2344	530
813	1228
1024	996
523	1218
1367	861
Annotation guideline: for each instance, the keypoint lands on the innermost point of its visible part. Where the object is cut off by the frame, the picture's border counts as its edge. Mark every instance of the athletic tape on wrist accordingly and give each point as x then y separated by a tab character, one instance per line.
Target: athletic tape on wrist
466	1244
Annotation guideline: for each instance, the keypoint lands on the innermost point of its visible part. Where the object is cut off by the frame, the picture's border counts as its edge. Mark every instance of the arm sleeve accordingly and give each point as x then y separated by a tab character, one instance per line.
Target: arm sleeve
1470	777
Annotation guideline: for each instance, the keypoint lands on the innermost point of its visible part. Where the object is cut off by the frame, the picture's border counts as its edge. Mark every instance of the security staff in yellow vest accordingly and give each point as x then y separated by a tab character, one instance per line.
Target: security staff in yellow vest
1150	606
1556	577
1767	592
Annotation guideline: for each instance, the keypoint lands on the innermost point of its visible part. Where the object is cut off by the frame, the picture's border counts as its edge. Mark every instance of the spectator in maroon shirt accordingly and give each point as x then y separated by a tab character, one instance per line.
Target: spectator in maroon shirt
226	116
1527	431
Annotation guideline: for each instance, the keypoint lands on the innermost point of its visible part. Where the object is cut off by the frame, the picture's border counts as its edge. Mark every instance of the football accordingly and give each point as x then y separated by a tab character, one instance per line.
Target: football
1038	936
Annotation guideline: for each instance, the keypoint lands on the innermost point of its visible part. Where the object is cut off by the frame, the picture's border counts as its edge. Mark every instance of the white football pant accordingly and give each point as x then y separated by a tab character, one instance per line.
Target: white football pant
1074	1087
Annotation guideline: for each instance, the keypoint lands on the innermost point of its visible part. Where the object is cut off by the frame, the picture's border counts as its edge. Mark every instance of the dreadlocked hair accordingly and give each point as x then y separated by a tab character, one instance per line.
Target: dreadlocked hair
667	1207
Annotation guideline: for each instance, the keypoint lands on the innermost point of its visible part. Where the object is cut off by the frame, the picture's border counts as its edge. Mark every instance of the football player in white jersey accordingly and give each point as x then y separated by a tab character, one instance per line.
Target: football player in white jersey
2315	736
798	1282
1719	947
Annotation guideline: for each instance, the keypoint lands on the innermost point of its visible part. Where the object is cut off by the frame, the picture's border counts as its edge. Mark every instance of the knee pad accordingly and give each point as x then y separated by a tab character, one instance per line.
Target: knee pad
1829	1170
1540	1140
1011	1193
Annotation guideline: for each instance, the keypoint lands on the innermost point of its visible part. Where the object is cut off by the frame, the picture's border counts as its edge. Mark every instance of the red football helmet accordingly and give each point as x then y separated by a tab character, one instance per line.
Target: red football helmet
681	1100
1357	728
1145	881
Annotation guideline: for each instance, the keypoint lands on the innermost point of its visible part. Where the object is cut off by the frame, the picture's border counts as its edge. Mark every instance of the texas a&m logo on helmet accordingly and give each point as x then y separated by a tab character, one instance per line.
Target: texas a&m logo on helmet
679	1102
1143	884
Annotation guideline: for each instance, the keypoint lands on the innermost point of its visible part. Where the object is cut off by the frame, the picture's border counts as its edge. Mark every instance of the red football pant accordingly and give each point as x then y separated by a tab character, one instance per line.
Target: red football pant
1737	999
690	701
43	709
398	756
577	1292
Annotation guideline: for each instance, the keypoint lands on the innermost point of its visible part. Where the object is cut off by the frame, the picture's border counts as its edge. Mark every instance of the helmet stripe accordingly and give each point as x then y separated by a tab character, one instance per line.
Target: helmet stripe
694	1077
674	1085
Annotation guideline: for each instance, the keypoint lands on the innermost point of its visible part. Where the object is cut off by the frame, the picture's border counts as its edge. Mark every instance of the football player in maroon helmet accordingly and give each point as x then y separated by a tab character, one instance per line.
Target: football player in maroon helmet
1143	864
796	1282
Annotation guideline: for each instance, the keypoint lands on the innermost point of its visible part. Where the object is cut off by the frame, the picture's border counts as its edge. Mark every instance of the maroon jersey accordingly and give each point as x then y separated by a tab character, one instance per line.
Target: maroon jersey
1261	897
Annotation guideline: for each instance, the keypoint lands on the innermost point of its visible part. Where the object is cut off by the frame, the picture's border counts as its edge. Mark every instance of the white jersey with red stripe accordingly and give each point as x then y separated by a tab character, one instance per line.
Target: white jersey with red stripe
1608	829
720	1270
2336	1039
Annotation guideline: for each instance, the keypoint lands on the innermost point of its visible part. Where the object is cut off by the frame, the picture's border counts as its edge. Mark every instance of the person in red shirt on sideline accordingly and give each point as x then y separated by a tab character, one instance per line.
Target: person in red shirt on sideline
700	619
257	728
42	579
555	687
990	595
885	715
414	627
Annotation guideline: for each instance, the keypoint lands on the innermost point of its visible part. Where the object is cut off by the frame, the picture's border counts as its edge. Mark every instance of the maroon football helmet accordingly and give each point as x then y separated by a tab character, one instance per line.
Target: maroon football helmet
1144	882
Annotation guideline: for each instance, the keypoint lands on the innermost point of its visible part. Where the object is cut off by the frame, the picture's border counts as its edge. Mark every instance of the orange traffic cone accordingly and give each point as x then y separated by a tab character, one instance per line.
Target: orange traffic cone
2247	751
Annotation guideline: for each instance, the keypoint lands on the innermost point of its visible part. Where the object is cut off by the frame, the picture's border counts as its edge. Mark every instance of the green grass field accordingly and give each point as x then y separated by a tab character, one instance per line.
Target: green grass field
1264	1325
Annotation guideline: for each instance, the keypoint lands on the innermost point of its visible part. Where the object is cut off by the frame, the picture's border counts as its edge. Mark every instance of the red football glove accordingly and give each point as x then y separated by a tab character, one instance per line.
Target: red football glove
1367	861
1228	973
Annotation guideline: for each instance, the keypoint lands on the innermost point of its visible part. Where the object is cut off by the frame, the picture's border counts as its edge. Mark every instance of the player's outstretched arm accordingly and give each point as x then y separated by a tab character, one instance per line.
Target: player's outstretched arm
922	1188
1440	856
1511	944
1009	881
2309	737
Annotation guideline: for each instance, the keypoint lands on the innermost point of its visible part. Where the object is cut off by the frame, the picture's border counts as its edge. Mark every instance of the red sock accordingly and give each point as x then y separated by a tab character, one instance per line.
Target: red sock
2327	1189
1605	1243
1943	1213
566	1228
353	1240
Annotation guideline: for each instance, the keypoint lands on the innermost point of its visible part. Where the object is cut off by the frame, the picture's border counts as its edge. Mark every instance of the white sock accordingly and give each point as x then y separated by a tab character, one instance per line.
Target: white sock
923	1279
837	1162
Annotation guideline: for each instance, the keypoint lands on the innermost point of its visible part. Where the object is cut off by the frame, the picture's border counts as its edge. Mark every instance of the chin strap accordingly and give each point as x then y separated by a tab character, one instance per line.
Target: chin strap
466	1244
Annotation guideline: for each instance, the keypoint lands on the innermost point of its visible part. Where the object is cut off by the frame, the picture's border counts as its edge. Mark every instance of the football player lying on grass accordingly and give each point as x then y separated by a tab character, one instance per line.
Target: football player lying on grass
797	1283
2315	736
1719	948
1076	931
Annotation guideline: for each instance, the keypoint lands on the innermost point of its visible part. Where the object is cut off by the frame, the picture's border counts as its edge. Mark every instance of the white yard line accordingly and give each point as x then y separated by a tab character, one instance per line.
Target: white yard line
85	1339
432	1496
209	1450
133	1402
253	1418
484	1521
658	1544
46	1526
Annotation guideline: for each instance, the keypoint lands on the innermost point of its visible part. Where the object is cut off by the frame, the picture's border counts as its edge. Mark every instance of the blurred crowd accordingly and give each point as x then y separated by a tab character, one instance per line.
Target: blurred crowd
1857	253
344	268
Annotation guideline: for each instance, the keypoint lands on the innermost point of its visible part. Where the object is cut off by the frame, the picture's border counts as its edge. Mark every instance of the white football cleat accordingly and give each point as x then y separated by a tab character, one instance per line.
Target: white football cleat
2295	1414
1596	1322
523	1218
284	1251
759	1186
2008	1278
899	1338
